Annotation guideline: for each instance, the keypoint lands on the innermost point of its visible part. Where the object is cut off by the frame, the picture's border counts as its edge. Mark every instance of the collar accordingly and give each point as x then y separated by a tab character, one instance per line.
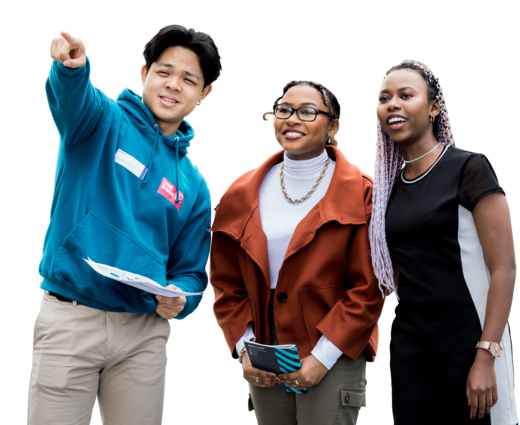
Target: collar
344	201
143	118
304	168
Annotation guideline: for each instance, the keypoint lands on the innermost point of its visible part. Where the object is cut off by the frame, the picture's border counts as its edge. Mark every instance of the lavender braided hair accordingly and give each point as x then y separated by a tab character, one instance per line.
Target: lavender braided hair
389	161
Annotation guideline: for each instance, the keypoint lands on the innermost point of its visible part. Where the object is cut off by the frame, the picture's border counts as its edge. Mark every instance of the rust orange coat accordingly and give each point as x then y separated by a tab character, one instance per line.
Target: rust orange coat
326	273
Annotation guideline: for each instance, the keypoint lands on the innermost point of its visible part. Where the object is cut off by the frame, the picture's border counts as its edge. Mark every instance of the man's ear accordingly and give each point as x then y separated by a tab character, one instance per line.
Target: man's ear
144	74
205	91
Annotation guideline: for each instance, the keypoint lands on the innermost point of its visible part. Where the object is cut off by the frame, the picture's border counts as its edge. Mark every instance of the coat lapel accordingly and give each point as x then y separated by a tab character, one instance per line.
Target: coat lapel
238	214
343	202
254	243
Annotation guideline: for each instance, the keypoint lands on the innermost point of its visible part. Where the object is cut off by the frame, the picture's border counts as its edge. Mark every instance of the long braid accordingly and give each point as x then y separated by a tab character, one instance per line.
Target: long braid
389	162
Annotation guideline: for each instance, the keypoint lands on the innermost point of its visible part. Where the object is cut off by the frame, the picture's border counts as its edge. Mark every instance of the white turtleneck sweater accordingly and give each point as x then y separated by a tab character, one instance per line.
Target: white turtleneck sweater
279	221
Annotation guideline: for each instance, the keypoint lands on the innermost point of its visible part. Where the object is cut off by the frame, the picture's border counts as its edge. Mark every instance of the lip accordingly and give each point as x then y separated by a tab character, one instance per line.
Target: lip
170	97
290	130
397	126
168	104
389	117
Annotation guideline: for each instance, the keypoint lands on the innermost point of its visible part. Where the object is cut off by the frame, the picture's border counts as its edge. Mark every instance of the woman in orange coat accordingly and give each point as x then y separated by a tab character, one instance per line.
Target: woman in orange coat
290	264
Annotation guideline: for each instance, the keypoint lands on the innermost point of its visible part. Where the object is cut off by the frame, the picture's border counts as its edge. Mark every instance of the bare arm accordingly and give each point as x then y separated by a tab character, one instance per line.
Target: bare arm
493	222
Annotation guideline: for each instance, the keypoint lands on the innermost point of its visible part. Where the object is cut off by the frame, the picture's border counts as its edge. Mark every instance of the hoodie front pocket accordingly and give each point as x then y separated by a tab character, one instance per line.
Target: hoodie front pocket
105	244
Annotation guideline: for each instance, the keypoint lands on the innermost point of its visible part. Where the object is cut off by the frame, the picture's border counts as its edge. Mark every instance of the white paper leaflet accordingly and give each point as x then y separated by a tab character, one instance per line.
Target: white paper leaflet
137	281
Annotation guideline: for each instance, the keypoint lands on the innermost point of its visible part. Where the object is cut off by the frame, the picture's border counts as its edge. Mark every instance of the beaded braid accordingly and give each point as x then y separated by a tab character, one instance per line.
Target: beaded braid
389	162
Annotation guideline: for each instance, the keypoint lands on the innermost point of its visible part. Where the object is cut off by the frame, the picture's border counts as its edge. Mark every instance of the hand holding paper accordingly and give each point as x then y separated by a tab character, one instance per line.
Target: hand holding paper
170	307
257	377
281	360
138	281
310	374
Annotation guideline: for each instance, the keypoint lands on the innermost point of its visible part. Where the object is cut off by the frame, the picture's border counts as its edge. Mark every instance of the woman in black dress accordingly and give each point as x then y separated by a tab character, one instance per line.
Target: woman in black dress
441	235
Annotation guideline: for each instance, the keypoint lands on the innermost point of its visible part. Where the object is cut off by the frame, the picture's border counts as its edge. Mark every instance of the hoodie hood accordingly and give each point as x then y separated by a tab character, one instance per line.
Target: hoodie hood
133	104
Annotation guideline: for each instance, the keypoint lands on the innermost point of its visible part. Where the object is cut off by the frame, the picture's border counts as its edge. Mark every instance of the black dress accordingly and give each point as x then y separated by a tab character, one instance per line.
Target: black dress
442	288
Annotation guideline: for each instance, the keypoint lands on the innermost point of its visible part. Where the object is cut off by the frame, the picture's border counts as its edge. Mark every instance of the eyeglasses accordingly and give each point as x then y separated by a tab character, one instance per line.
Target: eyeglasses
283	112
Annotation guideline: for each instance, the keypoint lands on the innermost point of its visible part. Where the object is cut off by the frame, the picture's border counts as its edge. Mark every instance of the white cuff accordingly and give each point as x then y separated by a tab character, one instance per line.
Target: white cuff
326	352
248	336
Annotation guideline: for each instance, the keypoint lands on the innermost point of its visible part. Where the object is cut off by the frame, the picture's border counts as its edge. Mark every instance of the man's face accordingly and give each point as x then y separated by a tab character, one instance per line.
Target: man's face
173	86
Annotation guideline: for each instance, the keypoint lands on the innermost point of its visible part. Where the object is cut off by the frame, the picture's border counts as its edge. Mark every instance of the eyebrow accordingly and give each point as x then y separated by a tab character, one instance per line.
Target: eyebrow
302	104
189	73
400	89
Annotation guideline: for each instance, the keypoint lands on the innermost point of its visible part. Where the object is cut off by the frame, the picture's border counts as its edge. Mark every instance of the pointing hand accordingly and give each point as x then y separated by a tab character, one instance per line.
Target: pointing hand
68	50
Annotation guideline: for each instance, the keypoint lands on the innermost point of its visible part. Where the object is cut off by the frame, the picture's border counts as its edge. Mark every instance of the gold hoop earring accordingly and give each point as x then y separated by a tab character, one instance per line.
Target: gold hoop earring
267	113
432	119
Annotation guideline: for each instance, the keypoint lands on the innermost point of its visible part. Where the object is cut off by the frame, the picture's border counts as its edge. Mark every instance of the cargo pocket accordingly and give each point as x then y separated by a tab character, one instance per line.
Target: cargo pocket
352	397
250	405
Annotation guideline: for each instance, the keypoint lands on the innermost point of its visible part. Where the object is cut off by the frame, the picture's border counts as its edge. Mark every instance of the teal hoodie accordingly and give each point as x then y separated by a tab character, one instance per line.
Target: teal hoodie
152	221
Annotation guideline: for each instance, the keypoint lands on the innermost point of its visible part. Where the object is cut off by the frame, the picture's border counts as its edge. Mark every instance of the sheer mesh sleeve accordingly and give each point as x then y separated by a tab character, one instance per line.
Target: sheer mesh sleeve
477	181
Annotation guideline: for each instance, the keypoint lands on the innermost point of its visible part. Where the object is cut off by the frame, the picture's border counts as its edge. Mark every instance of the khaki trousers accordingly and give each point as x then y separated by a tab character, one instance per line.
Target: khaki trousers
336	400
81	352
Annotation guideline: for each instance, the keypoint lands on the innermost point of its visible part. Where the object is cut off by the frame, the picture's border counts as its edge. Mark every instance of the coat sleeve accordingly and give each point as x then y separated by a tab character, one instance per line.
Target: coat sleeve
76	106
233	308
189	255
356	314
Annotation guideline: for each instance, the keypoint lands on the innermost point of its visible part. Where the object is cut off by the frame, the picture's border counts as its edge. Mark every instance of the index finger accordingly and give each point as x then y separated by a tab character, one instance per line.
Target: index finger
160	297
172	296
289	376
251	370
70	39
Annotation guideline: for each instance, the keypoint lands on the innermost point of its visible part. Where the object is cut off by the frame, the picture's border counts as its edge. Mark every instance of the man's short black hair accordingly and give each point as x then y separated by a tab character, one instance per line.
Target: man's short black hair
198	42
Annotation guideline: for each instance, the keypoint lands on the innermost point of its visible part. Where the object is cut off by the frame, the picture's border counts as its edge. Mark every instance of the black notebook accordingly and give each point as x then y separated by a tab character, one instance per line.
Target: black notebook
276	359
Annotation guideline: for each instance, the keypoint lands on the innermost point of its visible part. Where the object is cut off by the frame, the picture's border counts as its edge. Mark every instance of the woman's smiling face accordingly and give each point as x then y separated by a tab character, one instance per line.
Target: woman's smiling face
404	108
304	139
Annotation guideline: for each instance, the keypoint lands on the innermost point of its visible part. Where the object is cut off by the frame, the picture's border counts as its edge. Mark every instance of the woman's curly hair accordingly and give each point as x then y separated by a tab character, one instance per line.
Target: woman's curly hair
388	162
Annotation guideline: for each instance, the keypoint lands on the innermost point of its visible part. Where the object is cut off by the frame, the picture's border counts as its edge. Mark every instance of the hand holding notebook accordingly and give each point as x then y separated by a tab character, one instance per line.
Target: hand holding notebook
277	359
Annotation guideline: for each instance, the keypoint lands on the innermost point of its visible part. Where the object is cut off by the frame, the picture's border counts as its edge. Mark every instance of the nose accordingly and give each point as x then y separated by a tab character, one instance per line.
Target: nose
173	84
293	119
394	103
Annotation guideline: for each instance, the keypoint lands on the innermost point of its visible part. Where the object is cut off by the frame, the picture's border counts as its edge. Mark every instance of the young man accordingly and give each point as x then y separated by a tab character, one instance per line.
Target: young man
126	195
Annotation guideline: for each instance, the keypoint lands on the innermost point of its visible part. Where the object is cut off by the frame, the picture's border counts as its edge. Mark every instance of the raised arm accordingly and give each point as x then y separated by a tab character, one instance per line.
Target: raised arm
75	104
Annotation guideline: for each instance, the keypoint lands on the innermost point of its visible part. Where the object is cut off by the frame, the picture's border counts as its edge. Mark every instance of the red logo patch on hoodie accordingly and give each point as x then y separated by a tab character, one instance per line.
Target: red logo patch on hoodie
169	191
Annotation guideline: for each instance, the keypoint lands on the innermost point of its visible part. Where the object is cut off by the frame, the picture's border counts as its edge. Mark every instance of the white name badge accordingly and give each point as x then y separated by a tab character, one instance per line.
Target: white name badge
131	164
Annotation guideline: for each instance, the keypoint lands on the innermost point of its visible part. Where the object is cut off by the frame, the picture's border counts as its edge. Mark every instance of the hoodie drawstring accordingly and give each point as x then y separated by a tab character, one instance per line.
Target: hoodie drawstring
152	156
177	199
